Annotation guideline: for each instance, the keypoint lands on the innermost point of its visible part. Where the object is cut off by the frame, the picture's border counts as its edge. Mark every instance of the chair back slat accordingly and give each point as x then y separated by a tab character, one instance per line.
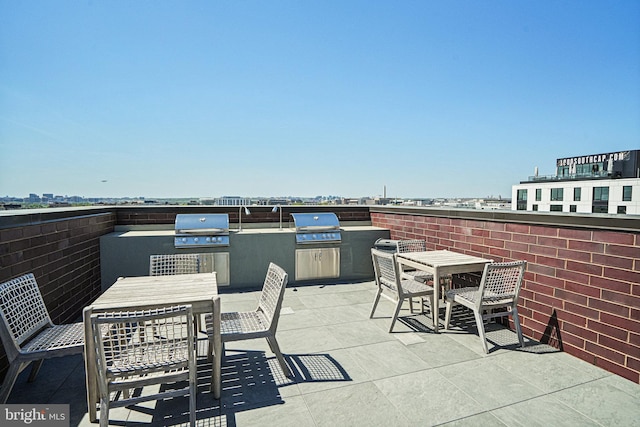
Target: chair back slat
411	245
501	281
166	265
272	293
385	268
22	309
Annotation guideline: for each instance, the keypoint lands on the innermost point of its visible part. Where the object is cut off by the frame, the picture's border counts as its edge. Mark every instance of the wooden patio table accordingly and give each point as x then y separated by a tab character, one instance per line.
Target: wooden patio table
441	264
144	292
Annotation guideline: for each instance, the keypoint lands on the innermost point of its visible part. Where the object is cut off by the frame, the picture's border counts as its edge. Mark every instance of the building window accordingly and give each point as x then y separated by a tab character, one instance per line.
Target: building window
622	209
577	193
556	208
626	193
535	207
600	208
538	194
601	194
522	200
573	208
557	194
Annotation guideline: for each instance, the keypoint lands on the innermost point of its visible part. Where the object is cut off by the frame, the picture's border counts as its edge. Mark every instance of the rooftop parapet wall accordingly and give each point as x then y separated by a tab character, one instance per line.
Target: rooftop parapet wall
62	250
582	286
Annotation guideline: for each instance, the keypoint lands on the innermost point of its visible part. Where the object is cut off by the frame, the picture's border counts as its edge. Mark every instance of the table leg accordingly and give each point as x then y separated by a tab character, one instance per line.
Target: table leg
436	299
215	346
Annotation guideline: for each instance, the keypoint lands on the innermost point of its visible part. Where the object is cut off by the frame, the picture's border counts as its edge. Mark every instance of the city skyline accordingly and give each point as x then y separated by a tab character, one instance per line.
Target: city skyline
198	99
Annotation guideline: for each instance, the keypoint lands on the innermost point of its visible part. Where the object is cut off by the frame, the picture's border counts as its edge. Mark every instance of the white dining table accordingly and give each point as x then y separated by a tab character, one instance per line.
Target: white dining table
441	263
143	292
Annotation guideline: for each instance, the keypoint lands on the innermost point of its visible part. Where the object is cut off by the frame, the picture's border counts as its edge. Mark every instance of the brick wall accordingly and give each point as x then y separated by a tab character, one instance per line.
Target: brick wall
157	215
582	286
64	256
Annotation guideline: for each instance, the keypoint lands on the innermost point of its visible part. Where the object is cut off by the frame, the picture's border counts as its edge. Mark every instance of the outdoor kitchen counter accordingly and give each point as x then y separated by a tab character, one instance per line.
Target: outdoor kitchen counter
126	252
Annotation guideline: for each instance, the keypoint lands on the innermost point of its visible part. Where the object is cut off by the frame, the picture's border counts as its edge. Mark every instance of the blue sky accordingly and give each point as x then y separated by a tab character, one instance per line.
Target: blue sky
275	98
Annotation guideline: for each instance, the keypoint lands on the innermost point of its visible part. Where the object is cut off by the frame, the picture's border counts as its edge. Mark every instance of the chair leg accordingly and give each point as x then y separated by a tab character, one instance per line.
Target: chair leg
447	316
192	400
516	323
275	348
104	411
375	303
430	298
10	380
480	324
395	314
411	305
35	368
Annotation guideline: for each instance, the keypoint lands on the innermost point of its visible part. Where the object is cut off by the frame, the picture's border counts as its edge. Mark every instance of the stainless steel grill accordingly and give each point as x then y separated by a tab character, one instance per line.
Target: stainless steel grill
316	228
201	230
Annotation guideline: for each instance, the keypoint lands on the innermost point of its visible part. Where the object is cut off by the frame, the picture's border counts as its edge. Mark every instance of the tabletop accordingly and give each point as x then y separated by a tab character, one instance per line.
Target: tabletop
443	258
150	291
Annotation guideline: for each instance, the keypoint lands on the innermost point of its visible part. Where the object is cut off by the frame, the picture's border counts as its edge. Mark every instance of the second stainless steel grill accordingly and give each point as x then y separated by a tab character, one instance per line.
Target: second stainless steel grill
322	227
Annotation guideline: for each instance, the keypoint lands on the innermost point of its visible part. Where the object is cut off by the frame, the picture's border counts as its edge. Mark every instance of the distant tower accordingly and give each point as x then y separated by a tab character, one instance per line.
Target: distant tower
384	192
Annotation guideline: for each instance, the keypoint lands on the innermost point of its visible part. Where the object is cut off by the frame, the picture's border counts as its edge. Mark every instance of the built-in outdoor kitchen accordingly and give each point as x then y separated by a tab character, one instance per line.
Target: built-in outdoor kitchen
310	246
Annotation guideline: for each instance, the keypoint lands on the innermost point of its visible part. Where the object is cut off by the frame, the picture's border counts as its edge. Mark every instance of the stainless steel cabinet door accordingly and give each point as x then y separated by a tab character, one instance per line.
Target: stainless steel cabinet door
317	263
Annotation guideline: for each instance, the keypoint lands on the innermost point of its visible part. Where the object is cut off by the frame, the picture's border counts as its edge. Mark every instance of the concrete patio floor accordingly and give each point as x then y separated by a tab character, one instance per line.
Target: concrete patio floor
349	371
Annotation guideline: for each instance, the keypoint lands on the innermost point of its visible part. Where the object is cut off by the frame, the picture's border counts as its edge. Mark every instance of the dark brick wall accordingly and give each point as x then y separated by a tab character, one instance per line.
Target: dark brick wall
64	256
582	286
147	215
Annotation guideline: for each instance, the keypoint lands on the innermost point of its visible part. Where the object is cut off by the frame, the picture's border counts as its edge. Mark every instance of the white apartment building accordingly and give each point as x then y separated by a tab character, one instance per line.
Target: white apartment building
598	183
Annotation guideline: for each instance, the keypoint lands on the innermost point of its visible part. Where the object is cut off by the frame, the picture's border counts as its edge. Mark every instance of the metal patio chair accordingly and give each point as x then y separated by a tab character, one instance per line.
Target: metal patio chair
27	332
165	265
260	323
499	288
395	288
413	245
172	264
141	348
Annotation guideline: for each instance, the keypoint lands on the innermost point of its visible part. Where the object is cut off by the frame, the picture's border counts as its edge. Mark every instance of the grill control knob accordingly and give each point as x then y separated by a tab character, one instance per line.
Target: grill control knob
184	240
195	240
208	239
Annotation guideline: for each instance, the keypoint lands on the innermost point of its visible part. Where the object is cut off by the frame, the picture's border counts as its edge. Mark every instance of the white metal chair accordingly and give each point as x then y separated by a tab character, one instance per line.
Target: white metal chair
393	287
260	323
165	265
27	332
499	288
141	348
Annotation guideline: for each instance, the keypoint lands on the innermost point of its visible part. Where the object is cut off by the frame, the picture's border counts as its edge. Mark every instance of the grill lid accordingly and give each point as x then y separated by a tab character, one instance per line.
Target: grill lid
202	224
201	230
315	221
317	228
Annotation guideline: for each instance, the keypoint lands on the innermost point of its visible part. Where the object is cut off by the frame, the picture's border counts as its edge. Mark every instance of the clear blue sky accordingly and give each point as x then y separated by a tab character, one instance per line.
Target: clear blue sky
305	98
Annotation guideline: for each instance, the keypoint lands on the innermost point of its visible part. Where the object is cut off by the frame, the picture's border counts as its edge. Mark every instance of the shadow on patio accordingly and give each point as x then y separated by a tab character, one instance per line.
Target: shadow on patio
349	371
